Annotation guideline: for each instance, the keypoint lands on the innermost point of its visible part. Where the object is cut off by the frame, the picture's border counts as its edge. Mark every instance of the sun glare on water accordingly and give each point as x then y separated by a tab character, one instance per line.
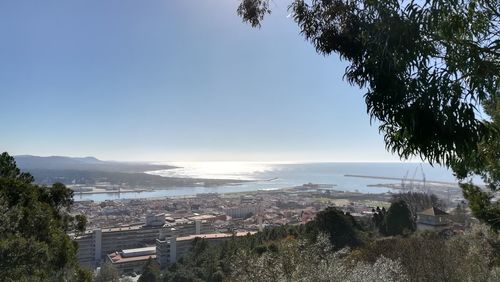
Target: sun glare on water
216	170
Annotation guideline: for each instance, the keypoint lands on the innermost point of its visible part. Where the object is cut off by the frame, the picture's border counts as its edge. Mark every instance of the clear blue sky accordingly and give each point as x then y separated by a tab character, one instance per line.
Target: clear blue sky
173	80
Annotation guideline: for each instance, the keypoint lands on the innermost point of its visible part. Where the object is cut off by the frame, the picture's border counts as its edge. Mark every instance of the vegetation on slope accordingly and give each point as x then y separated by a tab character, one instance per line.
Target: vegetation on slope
34	222
140	180
307	253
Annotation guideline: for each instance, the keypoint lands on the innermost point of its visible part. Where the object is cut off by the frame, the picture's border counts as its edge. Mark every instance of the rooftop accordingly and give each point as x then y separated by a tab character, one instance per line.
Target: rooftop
203	217
116	257
139	251
213	236
433	211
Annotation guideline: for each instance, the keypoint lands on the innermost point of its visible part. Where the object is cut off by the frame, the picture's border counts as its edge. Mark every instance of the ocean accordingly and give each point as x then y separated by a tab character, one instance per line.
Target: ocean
280	175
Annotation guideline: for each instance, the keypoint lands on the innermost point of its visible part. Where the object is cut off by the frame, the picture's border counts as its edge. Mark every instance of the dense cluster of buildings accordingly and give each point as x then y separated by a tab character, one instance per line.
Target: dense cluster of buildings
231	212
161	238
126	233
167	250
97	243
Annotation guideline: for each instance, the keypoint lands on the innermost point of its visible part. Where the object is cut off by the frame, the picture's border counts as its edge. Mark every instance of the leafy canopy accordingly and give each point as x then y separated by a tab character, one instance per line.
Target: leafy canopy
151	272
341	228
34	222
399	219
431	71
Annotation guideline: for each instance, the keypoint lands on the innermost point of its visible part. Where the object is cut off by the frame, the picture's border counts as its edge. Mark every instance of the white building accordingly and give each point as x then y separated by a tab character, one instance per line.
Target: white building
167	250
96	244
433	219
131	260
241	211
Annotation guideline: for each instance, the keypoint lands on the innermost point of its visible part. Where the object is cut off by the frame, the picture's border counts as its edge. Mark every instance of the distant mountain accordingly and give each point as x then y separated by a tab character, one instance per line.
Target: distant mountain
132	179
30	163
89	170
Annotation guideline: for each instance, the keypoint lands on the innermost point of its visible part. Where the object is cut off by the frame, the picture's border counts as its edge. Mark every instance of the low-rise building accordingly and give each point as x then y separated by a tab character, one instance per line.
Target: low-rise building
433	219
131	260
241	211
167	250
155	219
96	244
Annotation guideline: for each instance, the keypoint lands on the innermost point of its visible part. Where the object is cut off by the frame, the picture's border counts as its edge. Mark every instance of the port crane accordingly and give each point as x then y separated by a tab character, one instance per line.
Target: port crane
413	185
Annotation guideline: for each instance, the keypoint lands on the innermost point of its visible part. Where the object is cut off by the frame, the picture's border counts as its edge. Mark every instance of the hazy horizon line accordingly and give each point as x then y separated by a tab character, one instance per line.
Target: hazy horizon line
164	162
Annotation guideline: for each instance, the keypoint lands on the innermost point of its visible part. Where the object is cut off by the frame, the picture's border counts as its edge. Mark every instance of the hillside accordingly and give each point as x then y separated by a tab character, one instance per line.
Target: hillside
30	163
89	170
132	179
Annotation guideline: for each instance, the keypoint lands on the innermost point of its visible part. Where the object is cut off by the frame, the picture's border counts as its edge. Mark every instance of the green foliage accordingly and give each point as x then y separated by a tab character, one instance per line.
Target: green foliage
205	262
34	220
481	204
378	219
253	11
151	272
399	219
10	170
429	257
425	65
459	214
238	257
61	197
418	202
301	260
340	227
485	161
107	273
431	71
80	223
305	254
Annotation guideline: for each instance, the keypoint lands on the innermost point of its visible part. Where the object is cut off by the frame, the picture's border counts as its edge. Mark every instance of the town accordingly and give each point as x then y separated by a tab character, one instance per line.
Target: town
126	233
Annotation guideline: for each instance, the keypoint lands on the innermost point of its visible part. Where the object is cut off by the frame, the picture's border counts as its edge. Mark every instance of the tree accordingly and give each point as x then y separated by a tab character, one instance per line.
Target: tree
399	219
482	205
341	227
418	202
459	214
298	260
431	71
10	170
378	219
151	272
80	223
472	256
34	245
107	273
484	160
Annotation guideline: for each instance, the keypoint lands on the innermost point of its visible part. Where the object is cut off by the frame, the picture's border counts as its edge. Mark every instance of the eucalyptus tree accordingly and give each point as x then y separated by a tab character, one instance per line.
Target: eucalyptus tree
430	70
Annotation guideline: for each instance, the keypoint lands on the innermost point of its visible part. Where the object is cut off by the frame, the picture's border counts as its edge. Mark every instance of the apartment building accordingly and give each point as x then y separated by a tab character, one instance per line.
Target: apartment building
96	244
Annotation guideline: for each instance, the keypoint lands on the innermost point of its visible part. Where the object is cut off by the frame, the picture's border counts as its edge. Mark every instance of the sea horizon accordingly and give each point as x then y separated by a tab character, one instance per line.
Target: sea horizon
277	176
